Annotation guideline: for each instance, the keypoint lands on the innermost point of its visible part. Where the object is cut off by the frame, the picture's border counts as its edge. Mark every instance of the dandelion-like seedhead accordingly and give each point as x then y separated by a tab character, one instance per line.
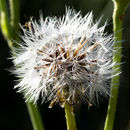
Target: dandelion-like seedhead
66	59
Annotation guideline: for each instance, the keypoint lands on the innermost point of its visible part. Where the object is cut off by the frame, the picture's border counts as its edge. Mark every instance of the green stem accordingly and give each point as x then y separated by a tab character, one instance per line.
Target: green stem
70	117
14	16
35	116
118	14
9	30
4	22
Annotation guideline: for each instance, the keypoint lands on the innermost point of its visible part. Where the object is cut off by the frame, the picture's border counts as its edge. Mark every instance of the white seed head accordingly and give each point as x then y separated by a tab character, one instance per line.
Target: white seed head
66	59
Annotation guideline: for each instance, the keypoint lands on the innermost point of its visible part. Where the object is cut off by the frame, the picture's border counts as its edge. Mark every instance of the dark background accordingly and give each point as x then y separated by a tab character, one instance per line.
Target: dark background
13	112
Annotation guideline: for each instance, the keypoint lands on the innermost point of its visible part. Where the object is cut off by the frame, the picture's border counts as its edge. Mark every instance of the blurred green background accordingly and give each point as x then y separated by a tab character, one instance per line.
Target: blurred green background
13	112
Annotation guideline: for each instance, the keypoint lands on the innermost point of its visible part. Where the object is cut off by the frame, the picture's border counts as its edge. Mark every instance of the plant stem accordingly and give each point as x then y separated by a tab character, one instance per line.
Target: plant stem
70	117
14	16
9	30
118	15
4	22
35	116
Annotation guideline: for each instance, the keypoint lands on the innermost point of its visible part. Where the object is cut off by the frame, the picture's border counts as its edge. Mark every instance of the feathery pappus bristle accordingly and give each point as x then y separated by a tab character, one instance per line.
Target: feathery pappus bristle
66	59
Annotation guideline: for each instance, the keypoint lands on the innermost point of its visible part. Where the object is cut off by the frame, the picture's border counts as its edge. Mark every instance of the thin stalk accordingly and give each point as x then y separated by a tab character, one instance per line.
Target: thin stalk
9	31
14	16
4	22
118	15
70	117
35	116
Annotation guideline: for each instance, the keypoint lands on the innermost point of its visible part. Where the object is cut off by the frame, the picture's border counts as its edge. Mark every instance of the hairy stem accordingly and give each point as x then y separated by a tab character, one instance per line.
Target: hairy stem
118	14
70	117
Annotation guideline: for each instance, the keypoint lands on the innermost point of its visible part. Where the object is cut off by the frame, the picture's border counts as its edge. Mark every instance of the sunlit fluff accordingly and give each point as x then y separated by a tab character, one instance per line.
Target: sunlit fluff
66	59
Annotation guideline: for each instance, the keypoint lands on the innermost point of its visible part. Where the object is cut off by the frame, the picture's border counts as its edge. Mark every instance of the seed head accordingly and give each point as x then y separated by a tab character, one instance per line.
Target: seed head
66	59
